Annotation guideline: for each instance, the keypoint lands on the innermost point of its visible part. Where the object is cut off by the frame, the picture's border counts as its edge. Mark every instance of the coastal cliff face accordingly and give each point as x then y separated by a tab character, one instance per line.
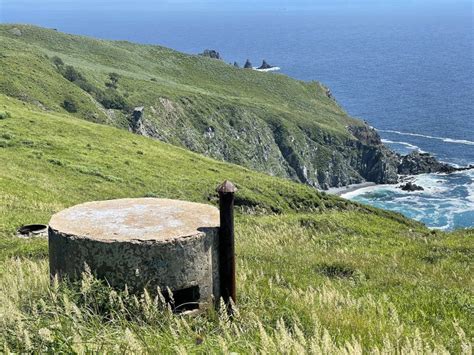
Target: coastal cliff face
266	122
243	137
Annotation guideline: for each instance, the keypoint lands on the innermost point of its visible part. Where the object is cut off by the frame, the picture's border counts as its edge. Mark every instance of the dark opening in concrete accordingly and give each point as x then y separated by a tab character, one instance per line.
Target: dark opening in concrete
186	299
32	230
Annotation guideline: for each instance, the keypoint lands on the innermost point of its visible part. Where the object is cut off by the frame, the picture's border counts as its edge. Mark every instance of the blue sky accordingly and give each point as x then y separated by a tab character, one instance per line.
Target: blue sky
36	11
220	4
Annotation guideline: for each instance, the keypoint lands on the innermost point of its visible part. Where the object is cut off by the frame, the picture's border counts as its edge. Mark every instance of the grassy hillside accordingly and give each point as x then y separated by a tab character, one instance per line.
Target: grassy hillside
267	122
315	273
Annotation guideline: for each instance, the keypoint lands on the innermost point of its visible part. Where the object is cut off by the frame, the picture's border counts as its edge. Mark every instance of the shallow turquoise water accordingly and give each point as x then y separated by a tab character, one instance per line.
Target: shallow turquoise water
446	203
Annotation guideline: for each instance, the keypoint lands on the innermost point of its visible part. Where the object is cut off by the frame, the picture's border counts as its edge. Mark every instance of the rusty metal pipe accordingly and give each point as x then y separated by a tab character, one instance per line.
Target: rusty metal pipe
227	243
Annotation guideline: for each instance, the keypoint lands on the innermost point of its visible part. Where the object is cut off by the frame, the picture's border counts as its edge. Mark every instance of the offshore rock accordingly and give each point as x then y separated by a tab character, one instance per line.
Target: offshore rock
248	65
265	65
409	186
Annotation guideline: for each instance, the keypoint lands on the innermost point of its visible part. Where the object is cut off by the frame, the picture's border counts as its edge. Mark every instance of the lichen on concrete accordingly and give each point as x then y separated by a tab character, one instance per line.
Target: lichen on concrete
142	219
141	243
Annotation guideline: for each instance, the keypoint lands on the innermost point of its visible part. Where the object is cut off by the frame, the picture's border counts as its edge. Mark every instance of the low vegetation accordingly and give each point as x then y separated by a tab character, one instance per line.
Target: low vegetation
316	273
109	98
4	115
69	105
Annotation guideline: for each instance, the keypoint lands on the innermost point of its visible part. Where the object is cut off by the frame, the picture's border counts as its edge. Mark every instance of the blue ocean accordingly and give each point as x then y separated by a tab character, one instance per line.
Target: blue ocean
406	67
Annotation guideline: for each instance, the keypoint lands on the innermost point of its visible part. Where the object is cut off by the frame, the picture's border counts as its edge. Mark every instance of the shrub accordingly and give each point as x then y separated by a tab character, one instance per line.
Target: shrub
114	77
4	115
110	99
113	83
57	61
71	74
69	105
57	162
86	86
339	270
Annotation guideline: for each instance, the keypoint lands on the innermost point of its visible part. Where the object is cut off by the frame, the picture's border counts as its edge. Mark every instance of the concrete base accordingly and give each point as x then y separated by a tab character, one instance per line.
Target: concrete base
141	243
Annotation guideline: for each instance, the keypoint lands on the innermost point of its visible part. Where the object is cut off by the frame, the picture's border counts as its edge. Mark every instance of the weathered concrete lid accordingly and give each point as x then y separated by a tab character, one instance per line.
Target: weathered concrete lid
142	219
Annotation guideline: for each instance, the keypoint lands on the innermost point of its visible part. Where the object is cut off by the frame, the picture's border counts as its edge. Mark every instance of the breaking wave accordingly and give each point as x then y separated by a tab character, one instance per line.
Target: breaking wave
406	144
447	201
443	139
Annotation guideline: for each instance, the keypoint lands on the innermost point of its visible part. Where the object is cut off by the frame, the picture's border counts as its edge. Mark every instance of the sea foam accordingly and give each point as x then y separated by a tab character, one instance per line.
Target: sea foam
269	69
405	144
447	201
444	139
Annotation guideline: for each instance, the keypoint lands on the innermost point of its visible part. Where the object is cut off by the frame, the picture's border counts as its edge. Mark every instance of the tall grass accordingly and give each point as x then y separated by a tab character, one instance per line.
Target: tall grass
280	309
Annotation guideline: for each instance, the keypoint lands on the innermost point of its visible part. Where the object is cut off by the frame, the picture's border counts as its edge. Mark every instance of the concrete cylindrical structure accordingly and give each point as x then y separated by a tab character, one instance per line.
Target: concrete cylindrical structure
142	243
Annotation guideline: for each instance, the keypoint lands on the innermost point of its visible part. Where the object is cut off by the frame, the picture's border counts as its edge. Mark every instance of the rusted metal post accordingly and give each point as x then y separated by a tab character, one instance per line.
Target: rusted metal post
226	243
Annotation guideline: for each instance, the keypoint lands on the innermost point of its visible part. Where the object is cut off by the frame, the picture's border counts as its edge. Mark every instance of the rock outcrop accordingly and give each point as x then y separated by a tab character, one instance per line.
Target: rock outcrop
211	53
136	123
248	64
366	134
376	163
422	163
15	31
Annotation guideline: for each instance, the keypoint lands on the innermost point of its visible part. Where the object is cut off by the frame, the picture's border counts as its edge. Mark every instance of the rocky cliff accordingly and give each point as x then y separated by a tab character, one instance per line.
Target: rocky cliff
237	136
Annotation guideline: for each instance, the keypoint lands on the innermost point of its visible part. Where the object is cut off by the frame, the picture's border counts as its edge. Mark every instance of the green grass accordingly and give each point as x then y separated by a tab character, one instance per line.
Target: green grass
170	68
266	122
315	273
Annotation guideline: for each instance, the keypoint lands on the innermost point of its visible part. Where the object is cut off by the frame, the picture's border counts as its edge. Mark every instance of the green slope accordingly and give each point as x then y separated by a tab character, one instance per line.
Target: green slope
55	157
267	122
315	273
